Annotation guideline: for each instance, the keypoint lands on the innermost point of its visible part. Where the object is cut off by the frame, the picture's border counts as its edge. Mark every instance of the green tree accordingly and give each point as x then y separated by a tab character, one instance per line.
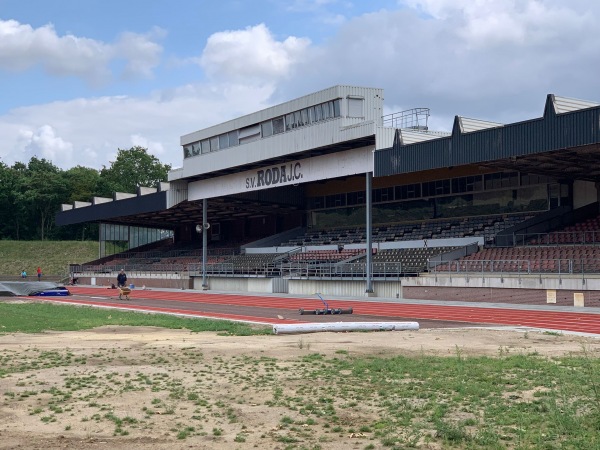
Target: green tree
133	168
82	183
6	200
44	192
14	214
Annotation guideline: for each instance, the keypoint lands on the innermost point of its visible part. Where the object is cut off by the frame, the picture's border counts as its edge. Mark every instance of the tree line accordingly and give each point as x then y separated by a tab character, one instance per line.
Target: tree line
31	194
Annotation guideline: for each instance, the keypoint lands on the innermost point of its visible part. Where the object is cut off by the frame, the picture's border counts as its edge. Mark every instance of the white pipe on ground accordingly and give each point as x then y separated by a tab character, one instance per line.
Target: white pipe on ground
343	326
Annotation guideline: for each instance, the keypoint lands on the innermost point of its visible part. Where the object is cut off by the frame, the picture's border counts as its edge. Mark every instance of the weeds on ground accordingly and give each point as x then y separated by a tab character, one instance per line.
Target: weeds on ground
508	401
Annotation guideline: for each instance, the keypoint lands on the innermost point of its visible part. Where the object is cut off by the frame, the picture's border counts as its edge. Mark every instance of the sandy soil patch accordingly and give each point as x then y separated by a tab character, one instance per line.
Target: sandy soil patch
138	388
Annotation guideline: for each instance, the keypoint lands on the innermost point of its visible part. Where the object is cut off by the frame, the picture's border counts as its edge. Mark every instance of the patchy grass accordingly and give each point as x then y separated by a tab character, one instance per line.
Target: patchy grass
512	401
312	401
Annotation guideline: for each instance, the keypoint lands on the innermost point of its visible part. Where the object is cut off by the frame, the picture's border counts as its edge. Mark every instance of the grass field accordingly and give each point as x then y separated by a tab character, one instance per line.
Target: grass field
39	317
52	256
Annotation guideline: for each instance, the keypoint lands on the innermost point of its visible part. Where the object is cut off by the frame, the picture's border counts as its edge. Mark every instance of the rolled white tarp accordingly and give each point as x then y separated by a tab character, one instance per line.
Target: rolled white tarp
289	328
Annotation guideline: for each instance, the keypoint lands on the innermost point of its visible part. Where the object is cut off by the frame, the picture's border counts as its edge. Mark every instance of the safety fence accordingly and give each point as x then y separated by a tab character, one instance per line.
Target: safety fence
518	266
378	270
557	238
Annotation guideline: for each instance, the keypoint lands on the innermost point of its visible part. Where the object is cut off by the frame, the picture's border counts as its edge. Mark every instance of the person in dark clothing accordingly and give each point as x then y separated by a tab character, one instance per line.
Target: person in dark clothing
121	278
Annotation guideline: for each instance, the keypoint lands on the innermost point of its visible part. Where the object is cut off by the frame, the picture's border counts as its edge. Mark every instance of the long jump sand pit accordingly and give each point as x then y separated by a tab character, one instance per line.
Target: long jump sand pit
139	388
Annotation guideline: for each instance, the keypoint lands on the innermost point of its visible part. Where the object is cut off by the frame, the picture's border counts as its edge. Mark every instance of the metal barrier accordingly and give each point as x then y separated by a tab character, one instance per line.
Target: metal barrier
519	266
561	238
382	270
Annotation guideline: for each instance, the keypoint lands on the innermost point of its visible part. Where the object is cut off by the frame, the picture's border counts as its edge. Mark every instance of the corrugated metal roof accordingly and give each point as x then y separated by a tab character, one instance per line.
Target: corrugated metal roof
469	125
411	136
573	139
564	104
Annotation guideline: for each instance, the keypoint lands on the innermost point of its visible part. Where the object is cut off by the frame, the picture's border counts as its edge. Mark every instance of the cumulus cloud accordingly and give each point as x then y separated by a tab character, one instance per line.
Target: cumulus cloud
484	23
23	47
89	132
480	58
140	51
483	59
250	55
44	143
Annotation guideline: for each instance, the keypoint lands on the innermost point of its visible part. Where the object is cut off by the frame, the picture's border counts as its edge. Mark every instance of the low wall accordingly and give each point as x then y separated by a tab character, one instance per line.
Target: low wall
165	281
337	288
569	290
576	282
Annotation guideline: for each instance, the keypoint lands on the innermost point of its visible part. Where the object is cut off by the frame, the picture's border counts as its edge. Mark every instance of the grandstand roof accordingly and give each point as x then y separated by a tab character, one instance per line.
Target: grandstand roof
408	136
152	211
564	143
564	104
469	125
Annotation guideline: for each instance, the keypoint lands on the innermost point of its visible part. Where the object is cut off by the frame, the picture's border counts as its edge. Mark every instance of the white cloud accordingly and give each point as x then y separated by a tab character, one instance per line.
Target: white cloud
251	55
140	51
44	143
23	47
493	60
483	23
89	132
487	59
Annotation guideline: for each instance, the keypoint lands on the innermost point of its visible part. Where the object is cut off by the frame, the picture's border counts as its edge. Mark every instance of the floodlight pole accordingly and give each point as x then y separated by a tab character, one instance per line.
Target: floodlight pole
204	242
368	227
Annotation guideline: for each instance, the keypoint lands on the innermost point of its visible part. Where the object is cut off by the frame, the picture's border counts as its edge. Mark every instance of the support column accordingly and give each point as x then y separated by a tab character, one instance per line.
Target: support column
369	192
204	242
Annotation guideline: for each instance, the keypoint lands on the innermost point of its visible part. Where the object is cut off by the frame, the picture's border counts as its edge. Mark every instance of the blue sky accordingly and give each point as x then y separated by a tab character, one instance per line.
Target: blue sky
81	79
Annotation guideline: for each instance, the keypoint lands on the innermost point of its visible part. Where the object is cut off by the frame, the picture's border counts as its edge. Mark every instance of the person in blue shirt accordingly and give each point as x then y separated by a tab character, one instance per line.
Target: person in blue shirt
121	278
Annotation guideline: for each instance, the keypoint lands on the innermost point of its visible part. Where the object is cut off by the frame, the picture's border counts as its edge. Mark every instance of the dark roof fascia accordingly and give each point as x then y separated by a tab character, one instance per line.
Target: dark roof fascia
114	209
551	132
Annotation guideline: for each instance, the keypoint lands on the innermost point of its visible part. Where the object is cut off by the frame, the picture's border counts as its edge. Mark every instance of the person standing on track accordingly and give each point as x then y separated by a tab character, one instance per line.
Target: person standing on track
121	278
39	273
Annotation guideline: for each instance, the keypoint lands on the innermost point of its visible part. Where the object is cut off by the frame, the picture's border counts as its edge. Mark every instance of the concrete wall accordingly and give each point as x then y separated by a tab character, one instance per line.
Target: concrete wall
336	288
257	285
514	282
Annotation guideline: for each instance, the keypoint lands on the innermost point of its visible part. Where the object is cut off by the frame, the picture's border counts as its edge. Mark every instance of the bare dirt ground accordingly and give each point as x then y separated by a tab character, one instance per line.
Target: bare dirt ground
139	388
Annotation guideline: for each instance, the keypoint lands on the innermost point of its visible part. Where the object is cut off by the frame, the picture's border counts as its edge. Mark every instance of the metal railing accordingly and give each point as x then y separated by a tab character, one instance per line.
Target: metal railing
355	270
99	269
350	271
557	238
415	118
559	266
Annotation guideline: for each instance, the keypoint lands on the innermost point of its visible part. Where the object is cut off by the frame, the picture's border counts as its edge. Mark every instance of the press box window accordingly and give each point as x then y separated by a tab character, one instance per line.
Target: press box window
214	144
356	198
205	145
266	129
278	126
332	201
223	141
233	138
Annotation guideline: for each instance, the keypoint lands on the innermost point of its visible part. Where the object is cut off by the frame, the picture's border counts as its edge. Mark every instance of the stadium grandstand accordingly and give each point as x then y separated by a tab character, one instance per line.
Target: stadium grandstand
325	193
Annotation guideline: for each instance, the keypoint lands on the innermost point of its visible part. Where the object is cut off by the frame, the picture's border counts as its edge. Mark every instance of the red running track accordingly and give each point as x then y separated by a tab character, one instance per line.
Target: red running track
555	320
